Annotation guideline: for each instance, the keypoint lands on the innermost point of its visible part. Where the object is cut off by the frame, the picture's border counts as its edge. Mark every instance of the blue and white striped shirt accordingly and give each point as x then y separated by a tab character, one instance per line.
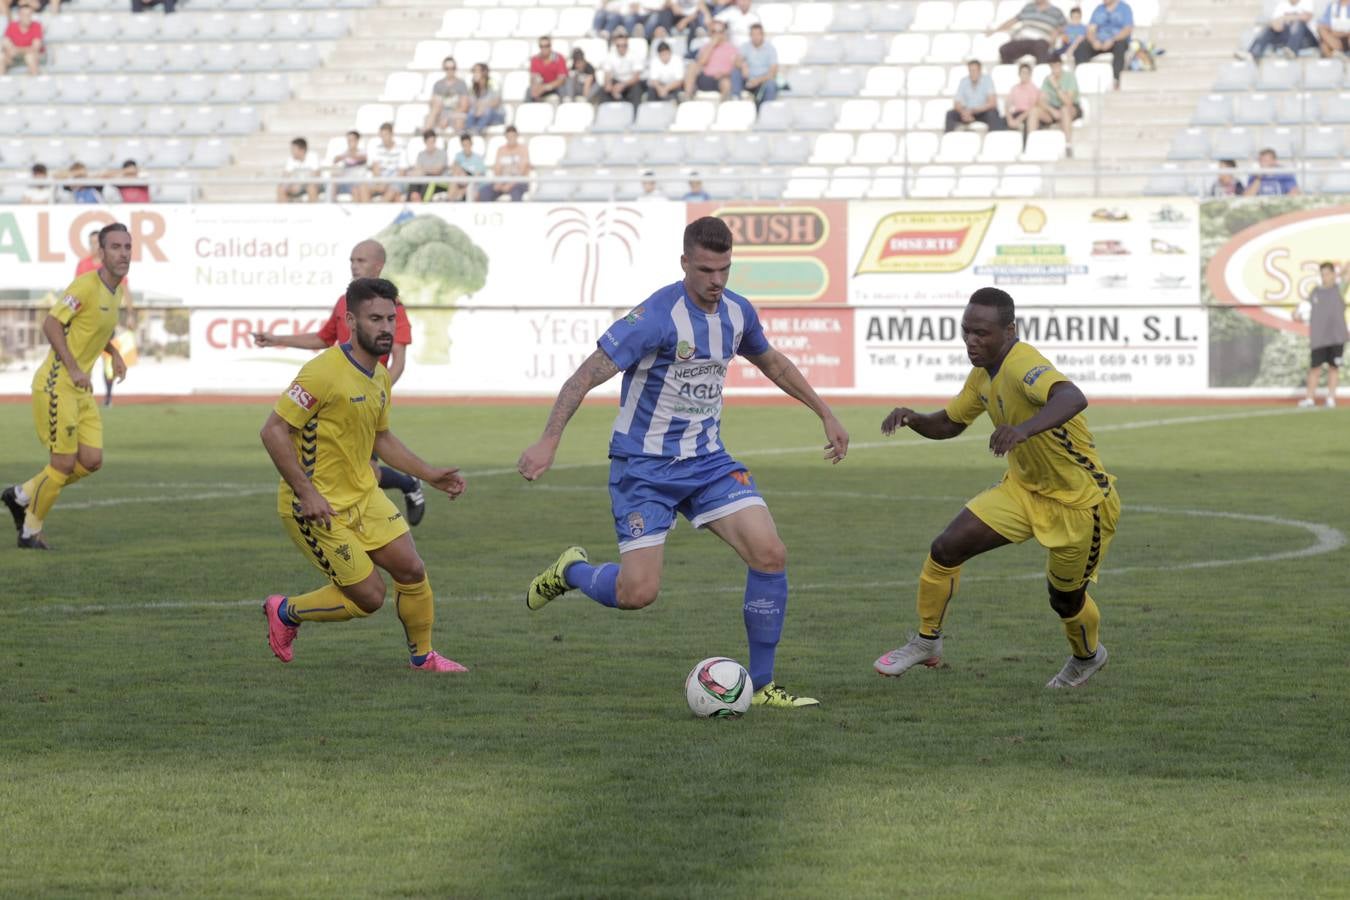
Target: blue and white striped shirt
674	357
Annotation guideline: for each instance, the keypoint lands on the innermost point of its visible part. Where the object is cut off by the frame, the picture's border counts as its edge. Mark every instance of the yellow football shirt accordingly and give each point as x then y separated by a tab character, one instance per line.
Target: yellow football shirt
337	407
1061	463
89	313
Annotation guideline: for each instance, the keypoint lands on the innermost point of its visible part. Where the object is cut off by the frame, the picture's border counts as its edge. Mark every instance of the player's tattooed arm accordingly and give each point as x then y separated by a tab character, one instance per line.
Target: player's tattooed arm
595	371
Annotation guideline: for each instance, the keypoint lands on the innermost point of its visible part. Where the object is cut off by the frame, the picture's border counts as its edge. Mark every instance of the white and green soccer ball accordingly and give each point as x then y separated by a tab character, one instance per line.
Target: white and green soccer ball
718	688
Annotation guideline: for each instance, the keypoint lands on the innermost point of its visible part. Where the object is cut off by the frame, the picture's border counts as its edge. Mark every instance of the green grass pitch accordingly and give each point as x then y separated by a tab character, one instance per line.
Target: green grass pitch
151	744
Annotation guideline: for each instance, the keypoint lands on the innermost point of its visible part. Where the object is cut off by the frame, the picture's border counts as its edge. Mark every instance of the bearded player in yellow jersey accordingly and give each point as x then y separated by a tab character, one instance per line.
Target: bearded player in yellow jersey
65	413
320	436
1055	489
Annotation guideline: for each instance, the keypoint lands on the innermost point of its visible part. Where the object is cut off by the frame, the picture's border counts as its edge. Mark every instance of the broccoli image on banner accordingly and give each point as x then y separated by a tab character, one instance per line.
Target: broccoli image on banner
433	263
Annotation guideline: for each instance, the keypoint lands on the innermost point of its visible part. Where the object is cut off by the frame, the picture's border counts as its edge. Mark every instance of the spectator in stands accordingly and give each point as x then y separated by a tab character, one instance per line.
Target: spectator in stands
738	18
711	69
80	193
1333	27
134	191
623	72
1270	180
467	164
1059	103
581	78
23	37
485	102
352	157
665	75
512	162
1023	100
449	99
430	161
976	101
687	16
548	72
1036	31
613	15
92	258
1075	33
1289	31
649	189
302	163
384	155
1226	185
696	193
1108	31
35	5
40	189
757	69
653	23
142	5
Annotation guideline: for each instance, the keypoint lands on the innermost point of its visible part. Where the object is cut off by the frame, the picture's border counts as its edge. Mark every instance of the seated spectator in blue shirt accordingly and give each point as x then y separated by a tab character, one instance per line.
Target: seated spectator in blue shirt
696	191
1273	182
1109	31
757	69
1333	28
976	101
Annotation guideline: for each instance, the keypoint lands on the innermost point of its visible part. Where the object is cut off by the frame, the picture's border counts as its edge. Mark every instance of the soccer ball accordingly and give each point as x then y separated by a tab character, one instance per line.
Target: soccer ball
718	688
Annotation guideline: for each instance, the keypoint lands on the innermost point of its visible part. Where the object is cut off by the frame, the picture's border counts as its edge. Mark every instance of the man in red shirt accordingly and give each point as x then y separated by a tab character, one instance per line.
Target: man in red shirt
91	261
22	36
548	72
367	261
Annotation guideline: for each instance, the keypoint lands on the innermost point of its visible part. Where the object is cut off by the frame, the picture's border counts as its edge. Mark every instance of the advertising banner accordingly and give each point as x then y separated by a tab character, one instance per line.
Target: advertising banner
1261	258
1108	290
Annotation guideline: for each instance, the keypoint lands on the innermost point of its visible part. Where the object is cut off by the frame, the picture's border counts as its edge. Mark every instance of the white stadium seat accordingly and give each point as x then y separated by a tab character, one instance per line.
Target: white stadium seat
1000	147
533	118
858	115
933	181
1044	146
976	181
694	115
831	149
735	115
573	118
401	87
874	148
884	82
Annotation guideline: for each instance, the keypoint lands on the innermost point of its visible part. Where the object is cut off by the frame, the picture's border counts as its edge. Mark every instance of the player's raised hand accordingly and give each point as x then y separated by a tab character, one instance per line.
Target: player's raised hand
837	448
264	339
1004	438
448	480
900	417
537	459
80	379
315	508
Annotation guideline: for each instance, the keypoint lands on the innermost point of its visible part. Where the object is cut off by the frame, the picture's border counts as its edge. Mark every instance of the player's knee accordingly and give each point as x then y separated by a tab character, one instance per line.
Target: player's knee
411	572
368	595
945	552
637	594
770	557
63	463
91	460
1066	604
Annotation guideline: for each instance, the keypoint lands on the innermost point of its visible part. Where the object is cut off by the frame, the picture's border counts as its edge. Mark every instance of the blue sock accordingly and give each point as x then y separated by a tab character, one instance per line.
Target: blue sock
418	659
596	582
766	595
284	614
392	478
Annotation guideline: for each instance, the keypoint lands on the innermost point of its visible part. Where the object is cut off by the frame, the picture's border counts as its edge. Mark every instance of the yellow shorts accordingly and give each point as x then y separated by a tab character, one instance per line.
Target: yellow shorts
341	552
1076	538
65	418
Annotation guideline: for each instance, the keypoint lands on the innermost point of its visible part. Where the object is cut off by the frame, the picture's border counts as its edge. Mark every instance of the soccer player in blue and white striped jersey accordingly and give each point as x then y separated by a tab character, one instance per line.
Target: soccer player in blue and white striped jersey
666	450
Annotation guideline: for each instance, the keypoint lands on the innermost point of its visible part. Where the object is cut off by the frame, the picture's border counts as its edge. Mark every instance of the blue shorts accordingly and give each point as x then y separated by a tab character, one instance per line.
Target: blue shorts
645	493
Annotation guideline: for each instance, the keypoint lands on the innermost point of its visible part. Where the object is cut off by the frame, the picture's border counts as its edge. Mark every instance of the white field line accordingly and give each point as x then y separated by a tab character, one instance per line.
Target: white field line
1326	538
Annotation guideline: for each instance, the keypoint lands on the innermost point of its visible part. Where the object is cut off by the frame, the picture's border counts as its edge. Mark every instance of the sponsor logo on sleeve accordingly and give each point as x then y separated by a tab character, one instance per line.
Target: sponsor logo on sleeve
1030	377
635	316
301	397
72	302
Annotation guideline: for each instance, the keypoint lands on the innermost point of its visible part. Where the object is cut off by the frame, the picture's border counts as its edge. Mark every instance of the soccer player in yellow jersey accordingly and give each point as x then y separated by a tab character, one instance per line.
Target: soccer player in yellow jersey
1055	489
65	413
320	436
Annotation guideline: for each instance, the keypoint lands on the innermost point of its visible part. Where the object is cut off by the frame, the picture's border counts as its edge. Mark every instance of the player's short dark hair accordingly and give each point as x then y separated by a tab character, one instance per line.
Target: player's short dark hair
109	229
999	300
1328	266
363	290
710	233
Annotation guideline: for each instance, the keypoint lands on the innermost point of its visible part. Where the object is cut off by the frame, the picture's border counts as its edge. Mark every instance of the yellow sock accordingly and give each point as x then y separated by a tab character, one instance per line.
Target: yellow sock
1081	630
416	610
937	586
45	488
80	472
327	604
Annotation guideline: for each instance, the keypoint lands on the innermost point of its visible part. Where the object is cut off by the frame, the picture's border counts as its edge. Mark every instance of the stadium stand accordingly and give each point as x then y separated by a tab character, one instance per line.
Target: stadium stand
222	86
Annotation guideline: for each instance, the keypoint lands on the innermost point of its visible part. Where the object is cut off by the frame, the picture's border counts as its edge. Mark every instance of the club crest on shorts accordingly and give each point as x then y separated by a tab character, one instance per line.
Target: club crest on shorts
685	351
743	477
636	524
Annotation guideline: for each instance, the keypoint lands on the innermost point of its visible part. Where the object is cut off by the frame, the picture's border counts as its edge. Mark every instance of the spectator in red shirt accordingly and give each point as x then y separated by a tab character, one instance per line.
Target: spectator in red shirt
93	260
548	72
711	69
23	37
367	261
132	192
